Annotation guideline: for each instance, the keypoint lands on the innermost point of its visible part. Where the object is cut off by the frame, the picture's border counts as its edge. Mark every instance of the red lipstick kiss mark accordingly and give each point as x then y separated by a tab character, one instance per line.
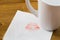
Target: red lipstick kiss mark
32	26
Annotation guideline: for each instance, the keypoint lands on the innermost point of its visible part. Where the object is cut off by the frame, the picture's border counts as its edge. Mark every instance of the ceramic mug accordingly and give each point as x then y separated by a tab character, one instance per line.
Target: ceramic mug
48	13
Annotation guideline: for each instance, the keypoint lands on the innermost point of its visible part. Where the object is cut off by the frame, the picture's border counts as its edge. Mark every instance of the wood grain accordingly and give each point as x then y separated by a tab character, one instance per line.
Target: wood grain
14	1
56	35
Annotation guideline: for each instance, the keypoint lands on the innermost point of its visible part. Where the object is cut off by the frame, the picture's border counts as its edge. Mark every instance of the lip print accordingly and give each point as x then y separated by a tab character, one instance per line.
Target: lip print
32	26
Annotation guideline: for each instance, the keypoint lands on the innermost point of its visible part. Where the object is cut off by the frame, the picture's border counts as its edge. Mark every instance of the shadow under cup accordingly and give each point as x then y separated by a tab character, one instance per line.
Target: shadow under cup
49	15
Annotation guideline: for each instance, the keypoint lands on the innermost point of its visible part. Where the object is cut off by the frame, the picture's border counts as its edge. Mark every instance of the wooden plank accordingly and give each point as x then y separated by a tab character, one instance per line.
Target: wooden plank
11	1
56	34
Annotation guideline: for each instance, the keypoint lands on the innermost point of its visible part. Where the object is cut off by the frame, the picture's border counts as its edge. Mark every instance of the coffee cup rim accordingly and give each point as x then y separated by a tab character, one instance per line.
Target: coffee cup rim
51	4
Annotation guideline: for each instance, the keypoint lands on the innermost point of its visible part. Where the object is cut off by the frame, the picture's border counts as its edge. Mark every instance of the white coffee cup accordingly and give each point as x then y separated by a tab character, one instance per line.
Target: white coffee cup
48	13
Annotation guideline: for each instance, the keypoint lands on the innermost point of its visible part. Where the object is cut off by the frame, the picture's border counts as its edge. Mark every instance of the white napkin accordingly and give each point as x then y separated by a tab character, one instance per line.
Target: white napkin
25	26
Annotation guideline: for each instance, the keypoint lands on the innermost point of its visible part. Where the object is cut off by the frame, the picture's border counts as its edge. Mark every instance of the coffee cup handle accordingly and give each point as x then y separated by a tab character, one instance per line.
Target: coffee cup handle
31	9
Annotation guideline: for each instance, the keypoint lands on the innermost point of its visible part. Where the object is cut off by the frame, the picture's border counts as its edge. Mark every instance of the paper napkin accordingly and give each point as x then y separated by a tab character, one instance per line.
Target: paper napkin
25	26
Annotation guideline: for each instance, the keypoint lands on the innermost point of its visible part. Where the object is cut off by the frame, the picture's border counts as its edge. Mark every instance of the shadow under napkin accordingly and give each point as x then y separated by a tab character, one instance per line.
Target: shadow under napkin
0	24
56	34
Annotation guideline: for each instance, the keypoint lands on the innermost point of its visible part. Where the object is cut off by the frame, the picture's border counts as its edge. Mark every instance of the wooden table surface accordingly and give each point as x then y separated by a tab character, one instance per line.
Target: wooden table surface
7	12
